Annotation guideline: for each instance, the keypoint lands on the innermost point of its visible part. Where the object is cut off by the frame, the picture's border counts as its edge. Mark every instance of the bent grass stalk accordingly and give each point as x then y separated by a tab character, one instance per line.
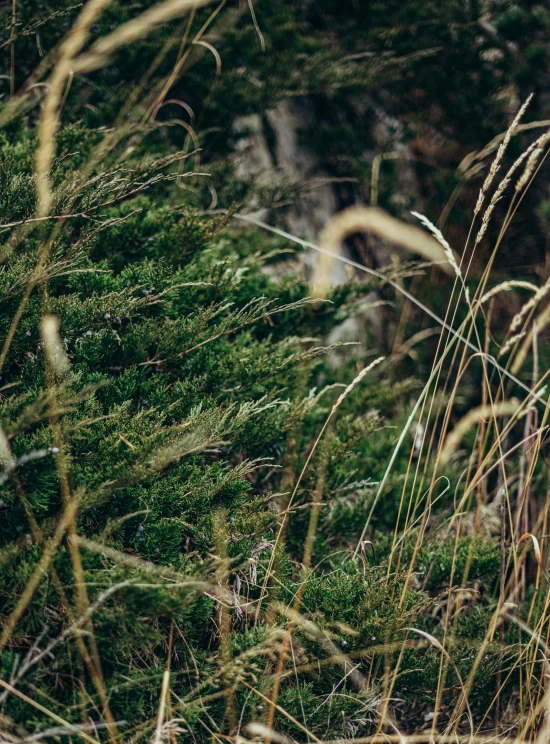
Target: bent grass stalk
309	540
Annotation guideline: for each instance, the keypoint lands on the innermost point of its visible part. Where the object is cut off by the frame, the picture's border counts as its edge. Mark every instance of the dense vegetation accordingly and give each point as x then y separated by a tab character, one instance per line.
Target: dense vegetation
219	519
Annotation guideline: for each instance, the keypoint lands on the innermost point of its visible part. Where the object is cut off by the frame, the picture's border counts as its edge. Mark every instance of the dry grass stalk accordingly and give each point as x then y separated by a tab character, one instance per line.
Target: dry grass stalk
6	457
452	442
165	691
53	345
438	235
466	164
39	571
536	545
183	55
259	730
398	288
500	154
133	30
70	64
506	287
510	342
503	185
71	46
517	320
333	410
380	223
285	713
531	164
375	172
77	730
285	648
542	320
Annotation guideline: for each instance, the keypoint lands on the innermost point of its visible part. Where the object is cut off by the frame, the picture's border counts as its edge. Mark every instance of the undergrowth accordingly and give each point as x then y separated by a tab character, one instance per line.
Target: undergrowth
215	524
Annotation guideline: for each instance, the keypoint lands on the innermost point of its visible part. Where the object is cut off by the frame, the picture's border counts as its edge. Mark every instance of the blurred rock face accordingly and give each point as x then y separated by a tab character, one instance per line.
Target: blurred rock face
272	149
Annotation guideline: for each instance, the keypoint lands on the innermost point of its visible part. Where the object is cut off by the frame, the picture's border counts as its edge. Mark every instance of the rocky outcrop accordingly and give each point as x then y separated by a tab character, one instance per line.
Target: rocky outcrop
272	151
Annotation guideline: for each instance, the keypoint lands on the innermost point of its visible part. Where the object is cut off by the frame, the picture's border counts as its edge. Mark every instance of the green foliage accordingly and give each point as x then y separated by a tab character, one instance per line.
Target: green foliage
191	376
186	353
